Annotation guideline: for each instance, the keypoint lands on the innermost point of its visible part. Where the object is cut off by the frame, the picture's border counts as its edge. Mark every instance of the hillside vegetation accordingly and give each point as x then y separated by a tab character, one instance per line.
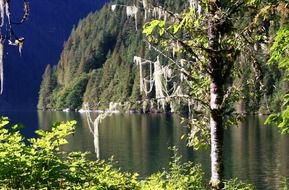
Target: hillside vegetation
97	67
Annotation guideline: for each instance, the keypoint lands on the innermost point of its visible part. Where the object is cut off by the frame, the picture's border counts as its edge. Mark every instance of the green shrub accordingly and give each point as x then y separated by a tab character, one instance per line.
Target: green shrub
284	183
235	184
180	176
41	163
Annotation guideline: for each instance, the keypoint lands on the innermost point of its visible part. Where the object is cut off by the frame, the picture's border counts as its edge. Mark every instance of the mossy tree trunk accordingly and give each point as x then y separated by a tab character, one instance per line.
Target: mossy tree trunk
216	63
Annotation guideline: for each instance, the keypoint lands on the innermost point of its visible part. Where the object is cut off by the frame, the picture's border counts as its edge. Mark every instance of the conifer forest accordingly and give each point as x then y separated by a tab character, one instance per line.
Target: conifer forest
144	94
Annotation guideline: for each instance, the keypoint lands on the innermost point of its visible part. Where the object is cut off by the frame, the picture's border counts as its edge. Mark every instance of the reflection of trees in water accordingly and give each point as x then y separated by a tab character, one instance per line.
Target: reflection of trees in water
139	142
46	119
256	153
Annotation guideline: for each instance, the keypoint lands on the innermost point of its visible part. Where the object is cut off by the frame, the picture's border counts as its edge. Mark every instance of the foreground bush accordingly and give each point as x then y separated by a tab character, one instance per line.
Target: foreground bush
41	163
234	184
181	176
38	163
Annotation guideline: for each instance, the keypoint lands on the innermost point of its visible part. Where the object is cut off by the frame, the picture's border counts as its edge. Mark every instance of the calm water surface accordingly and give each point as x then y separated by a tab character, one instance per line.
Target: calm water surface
253	152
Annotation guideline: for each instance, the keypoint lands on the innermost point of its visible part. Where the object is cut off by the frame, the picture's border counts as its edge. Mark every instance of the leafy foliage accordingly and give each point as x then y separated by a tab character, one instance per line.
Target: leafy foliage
179	176
279	55
281	120
39	163
284	184
208	37
42	164
280	48
235	184
104	43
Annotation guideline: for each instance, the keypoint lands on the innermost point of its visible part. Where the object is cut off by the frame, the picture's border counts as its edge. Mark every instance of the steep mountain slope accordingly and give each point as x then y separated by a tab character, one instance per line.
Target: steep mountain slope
96	66
49	25
96	63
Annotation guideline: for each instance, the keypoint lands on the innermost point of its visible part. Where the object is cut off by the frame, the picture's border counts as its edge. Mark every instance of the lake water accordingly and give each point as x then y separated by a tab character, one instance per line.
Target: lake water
253	152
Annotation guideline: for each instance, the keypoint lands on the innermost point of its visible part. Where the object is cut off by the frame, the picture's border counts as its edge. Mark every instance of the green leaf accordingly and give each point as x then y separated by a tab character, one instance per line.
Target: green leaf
149	27
273	118
253	2
4	121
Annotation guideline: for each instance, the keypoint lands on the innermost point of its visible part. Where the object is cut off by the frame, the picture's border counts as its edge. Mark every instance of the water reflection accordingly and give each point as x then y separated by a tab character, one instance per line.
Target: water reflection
137	142
253	152
256	153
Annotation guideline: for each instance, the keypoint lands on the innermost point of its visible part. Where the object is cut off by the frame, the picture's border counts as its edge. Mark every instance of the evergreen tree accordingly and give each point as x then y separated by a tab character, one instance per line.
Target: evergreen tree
210	37
221	42
47	86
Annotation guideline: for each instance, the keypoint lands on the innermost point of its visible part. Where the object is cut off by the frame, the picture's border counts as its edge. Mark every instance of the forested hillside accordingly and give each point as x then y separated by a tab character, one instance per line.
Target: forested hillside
97	67
96	63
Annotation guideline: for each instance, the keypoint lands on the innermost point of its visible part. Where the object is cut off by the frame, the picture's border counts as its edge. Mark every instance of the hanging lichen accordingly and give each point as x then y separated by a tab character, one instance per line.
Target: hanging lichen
94	127
195	4
26	11
158	79
182	76
7	33
159	12
168	84
2	11
19	42
157	76
113	7
131	11
7	7
175	48
145	4
1	67
146	9
165	82
137	61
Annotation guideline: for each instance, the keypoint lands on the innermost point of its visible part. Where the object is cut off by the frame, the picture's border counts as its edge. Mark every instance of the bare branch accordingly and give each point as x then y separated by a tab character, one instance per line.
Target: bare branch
26	10
159	51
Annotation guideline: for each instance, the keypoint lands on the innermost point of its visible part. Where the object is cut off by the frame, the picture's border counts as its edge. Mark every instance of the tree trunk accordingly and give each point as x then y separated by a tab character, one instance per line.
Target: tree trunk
96	123
217	83
216	126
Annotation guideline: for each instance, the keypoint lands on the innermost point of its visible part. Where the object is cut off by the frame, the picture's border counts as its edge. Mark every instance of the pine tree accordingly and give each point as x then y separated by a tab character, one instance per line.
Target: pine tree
47	86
